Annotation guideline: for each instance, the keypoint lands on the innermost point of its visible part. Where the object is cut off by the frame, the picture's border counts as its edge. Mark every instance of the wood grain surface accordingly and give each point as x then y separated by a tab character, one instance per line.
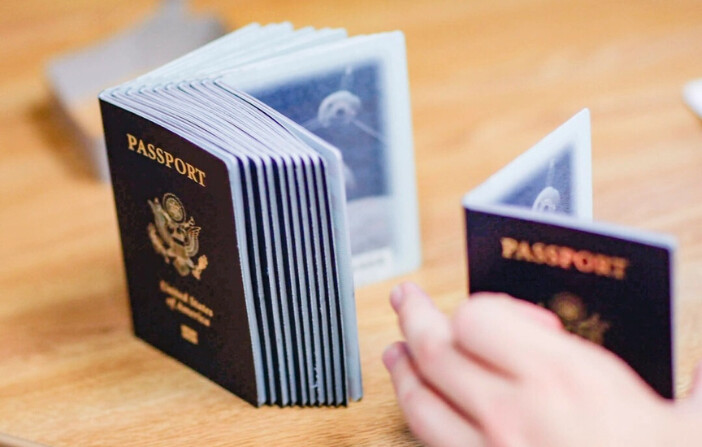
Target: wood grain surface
488	79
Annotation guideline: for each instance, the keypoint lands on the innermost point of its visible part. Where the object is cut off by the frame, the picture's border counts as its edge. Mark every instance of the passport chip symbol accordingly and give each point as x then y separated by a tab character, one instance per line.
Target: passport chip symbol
175	237
189	334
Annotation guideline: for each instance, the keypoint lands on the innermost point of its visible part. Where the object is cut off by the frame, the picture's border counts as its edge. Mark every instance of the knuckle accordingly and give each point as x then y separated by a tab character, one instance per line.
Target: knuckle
409	397
473	318
466	317
429	350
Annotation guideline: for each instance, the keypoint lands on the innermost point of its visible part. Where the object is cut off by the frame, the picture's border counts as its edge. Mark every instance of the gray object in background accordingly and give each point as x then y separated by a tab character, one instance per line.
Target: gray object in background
77	78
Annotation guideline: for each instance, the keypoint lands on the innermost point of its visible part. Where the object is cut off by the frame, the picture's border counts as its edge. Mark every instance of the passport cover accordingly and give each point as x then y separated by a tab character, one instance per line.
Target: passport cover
176	220
611	290
530	235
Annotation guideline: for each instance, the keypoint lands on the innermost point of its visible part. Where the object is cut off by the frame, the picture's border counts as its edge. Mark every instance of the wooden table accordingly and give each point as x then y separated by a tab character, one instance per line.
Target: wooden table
488	79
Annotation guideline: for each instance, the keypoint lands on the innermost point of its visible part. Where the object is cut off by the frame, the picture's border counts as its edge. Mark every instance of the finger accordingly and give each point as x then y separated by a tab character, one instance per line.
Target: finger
461	379
504	333
428	416
529	310
419	318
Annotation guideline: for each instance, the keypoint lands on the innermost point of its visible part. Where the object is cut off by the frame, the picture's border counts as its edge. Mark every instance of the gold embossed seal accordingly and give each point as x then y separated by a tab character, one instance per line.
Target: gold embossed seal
175	236
573	314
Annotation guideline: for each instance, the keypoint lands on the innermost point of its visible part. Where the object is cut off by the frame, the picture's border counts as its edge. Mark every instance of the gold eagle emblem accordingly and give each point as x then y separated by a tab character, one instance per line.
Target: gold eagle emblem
574	316
174	235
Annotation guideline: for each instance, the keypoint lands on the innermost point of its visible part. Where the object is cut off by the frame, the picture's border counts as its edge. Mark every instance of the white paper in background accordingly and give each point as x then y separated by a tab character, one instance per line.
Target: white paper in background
76	78
692	94
354	94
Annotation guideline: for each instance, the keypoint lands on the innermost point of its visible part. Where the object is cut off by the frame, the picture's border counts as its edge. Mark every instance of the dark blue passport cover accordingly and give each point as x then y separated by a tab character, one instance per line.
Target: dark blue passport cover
631	314
176	222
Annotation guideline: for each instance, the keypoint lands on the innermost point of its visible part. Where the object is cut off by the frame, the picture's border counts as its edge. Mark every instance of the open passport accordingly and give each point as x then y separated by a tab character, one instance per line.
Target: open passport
530	234
255	180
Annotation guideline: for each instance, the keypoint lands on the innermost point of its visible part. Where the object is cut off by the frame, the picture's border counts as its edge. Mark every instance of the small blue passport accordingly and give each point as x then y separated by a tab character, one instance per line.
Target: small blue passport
530	234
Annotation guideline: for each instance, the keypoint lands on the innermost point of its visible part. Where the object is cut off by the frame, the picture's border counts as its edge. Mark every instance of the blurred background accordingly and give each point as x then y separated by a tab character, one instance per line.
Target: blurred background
487	80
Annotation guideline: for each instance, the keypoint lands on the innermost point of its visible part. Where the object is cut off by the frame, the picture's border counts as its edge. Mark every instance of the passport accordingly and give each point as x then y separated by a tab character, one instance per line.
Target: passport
530	234
257	180
194	319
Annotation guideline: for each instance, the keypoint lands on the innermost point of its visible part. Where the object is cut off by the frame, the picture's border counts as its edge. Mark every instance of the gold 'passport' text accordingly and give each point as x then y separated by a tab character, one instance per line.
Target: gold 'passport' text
566	258
166	159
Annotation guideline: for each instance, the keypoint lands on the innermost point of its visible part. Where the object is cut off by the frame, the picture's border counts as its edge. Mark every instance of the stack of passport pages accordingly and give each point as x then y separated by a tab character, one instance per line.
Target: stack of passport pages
256	179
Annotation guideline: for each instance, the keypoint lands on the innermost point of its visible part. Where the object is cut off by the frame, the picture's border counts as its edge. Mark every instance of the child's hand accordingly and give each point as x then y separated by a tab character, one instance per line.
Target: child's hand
503	373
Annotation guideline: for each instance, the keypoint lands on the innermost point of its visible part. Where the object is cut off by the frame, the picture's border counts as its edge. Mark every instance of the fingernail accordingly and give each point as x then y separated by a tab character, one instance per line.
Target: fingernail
390	356
396	296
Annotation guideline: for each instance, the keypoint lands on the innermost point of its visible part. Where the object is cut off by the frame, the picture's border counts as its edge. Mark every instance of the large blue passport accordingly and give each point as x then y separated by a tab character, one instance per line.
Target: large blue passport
256	180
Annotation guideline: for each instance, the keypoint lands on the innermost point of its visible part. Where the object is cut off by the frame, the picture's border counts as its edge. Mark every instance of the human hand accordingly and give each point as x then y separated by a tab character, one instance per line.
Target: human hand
503	373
